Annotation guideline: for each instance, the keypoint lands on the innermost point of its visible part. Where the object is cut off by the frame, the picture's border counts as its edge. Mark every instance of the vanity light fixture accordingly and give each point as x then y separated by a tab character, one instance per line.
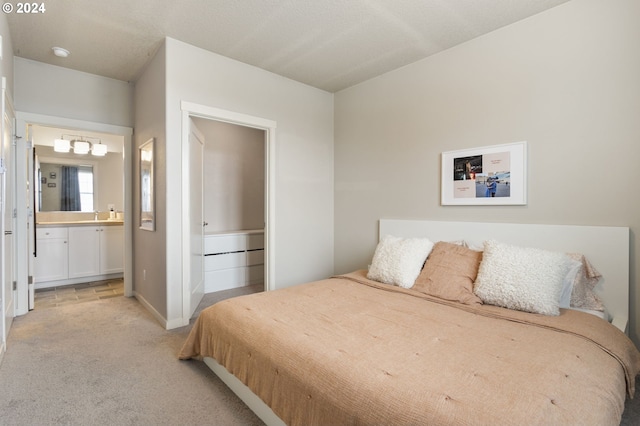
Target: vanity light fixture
98	149
81	147
61	145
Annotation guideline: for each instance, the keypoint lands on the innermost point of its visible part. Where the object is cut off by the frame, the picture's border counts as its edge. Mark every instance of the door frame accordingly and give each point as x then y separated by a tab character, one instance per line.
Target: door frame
23	119
190	109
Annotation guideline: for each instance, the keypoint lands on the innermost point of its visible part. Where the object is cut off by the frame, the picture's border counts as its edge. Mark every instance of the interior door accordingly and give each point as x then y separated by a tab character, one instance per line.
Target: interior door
7	242
196	254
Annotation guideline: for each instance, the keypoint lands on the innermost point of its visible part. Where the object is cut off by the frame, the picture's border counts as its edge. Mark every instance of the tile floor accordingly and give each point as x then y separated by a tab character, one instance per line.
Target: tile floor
78	293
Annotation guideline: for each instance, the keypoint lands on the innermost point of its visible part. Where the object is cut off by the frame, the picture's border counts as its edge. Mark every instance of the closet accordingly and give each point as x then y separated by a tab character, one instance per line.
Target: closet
233	259
233	204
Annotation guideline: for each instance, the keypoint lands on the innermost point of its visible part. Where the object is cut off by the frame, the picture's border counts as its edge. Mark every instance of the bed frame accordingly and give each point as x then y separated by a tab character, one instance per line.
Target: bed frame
607	248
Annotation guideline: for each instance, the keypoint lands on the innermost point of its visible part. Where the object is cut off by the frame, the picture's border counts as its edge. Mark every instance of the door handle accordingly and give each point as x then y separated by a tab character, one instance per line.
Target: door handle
204	224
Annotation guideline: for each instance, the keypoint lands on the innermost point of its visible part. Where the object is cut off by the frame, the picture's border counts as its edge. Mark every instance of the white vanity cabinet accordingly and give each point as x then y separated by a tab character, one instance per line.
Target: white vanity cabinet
52	261
78	253
111	249
233	259
84	251
95	250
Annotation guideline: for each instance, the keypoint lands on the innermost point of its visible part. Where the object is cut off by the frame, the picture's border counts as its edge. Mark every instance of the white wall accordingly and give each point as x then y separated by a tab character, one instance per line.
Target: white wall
6	64
565	80
233	176
61	92
304	158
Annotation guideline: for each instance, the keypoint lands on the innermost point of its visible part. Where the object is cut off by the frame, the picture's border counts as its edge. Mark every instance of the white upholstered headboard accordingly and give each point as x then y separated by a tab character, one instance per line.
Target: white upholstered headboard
606	247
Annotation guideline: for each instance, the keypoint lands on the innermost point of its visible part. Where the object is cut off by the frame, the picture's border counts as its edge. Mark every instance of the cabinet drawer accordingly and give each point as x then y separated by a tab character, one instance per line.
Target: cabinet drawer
255	257
224	279
255	241
224	261
224	243
46	233
255	274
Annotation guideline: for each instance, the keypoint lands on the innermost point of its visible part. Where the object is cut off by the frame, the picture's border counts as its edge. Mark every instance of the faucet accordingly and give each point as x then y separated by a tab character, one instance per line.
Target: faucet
95	216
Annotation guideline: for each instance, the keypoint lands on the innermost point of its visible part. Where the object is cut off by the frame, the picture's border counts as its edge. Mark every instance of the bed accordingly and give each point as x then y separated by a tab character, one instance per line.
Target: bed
355	350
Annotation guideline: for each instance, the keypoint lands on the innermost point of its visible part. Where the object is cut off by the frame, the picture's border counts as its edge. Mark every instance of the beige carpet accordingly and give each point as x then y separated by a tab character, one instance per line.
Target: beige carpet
108	362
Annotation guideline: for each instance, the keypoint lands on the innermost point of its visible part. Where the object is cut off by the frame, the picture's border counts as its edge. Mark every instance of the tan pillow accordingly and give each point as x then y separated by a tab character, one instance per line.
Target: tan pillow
583	296
449	273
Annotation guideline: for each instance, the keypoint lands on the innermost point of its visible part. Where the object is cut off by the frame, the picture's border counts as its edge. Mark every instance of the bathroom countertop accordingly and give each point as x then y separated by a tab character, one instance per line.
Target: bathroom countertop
105	222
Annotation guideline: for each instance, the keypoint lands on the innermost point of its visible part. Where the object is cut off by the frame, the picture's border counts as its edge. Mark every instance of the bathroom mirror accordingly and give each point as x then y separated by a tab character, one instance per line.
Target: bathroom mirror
65	187
147	219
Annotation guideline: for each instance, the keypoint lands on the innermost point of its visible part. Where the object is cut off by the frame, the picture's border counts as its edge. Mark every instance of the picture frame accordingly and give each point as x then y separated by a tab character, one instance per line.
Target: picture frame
147	196
484	176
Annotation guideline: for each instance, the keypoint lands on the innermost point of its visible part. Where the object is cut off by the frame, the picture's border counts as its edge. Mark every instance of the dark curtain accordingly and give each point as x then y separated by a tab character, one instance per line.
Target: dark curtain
70	191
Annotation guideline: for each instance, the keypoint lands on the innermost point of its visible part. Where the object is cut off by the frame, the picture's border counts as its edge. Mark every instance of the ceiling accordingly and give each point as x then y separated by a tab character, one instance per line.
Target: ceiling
329	44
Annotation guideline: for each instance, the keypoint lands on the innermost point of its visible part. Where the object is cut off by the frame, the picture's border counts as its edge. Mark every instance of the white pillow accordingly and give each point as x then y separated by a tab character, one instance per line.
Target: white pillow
567	283
398	261
524	279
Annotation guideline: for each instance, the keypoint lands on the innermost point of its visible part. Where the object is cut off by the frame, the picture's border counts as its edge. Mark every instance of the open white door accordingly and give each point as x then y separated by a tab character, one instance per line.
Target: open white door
7	242
196	222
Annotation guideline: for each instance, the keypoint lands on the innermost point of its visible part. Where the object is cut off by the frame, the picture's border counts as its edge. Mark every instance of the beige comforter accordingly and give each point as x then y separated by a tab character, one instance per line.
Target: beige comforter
348	350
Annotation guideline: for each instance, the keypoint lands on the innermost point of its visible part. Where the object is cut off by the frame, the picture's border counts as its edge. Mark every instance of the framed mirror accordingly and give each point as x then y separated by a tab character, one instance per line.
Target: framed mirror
147	217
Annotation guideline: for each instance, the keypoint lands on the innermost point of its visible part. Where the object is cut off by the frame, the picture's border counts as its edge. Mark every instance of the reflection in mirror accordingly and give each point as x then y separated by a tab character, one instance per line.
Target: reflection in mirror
107	173
147	215
65	187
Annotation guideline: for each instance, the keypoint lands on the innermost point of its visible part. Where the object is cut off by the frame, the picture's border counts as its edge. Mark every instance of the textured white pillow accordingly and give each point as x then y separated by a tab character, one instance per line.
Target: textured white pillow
398	261
524	279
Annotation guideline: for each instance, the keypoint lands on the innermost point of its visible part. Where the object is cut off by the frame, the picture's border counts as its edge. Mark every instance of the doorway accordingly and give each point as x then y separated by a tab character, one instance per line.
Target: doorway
267	129
26	203
75	261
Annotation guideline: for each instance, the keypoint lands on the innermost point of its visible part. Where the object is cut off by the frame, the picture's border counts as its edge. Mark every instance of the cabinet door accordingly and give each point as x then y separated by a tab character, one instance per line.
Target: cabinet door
111	249
51	262
84	251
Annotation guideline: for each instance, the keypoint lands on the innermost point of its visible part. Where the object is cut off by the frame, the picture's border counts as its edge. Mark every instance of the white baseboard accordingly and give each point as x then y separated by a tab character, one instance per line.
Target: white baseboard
168	325
149	307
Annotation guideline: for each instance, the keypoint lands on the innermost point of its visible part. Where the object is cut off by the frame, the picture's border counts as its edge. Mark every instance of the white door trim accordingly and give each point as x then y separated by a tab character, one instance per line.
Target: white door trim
190	109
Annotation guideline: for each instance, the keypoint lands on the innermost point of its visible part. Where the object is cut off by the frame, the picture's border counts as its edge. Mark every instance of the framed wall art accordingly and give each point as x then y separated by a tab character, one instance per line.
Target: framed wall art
490	175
